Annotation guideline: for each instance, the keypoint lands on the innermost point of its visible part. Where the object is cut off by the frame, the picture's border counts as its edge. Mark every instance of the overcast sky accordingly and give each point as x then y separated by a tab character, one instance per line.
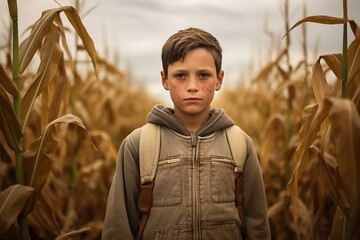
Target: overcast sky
137	29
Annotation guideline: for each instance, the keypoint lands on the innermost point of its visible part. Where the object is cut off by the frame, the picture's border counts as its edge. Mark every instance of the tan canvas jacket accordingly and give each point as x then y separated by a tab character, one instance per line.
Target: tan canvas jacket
194	187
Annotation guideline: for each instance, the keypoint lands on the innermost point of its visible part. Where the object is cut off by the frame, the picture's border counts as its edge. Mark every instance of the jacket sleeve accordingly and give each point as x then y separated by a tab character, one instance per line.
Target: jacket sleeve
254	199
122	214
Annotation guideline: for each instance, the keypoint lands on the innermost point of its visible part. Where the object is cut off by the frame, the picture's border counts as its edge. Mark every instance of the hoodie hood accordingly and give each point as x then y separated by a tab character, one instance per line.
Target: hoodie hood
165	116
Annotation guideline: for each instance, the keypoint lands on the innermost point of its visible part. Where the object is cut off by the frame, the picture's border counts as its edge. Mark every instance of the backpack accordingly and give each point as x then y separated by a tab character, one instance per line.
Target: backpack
149	150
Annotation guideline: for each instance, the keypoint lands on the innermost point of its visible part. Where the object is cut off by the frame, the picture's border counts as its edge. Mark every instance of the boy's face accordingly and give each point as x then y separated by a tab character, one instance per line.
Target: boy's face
192	83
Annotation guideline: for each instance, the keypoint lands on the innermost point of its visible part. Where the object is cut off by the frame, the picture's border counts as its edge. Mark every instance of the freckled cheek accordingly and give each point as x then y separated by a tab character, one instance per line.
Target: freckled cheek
208	90
176	90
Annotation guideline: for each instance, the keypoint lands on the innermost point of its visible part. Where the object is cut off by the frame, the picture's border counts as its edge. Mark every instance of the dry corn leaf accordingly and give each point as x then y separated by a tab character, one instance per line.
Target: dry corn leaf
47	216
345	133
50	58
73	234
76	22
63	40
285	75
266	70
44	108
275	130
7	83
320	86
6	154
9	124
319	19
110	67
281	205
321	90
13	9
355	29
354	59
290	84
105	142
353	68
356	98
334	61
306	229
318	198
38	158
12	201
328	187
354	65
60	90
313	115
345	130
333	182
337	225
32	43
300	66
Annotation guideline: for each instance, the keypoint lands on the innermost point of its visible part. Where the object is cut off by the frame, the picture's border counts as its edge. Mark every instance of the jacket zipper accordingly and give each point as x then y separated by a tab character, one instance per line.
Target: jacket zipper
196	222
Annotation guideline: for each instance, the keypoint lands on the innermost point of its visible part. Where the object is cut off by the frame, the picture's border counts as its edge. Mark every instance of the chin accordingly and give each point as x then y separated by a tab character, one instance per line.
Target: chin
193	110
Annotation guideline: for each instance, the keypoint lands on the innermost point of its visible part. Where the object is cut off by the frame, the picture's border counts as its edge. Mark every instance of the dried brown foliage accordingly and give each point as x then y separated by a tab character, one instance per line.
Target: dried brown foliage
306	139
108	108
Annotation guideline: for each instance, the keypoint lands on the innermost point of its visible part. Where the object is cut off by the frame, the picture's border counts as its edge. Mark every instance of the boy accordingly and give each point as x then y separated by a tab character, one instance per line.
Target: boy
193	192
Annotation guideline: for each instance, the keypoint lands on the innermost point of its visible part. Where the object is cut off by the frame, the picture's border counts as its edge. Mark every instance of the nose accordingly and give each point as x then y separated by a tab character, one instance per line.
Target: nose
192	85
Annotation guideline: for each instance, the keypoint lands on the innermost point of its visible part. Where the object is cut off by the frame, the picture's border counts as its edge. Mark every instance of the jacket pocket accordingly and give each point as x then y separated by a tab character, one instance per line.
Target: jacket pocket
159	235
167	185
222	180
226	230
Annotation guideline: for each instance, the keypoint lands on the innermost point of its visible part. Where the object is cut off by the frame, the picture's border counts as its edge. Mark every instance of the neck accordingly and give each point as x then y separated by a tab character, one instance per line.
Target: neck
193	122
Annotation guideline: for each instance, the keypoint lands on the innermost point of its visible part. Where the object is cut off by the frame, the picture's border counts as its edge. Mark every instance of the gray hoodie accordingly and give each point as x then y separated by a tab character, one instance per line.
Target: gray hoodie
194	187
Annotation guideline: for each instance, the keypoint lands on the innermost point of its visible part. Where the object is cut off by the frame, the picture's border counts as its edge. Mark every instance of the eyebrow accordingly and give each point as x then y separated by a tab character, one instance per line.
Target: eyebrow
185	70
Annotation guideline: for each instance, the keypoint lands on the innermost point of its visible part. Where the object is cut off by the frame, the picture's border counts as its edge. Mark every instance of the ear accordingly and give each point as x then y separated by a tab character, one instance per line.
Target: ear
164	80
219	80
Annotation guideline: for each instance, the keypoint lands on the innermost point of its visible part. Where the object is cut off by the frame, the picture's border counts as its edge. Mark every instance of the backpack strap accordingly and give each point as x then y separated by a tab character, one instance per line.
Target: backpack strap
236	139
149	150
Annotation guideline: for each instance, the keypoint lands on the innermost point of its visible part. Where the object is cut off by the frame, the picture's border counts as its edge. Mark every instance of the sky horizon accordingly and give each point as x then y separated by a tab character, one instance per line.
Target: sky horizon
133	31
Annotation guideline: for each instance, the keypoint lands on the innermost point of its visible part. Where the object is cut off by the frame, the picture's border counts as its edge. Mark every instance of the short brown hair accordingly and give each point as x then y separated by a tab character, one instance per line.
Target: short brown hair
184	41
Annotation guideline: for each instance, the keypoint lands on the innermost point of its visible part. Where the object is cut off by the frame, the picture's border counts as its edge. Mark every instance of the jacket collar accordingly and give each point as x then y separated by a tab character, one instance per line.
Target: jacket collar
165	116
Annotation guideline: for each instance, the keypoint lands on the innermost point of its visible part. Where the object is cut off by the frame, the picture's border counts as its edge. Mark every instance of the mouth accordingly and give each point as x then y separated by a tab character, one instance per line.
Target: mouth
192	99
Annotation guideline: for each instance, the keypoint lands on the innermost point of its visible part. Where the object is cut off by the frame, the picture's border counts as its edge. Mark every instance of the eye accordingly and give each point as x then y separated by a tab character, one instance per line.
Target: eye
204	75
180	75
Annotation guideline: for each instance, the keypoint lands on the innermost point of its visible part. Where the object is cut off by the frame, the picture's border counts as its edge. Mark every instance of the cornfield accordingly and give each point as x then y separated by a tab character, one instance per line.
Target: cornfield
60	131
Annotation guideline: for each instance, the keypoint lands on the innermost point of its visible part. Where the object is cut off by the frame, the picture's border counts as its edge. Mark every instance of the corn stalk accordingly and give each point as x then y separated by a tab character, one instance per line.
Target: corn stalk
289	68
19	168
344	53
74	160
349	223
304	46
